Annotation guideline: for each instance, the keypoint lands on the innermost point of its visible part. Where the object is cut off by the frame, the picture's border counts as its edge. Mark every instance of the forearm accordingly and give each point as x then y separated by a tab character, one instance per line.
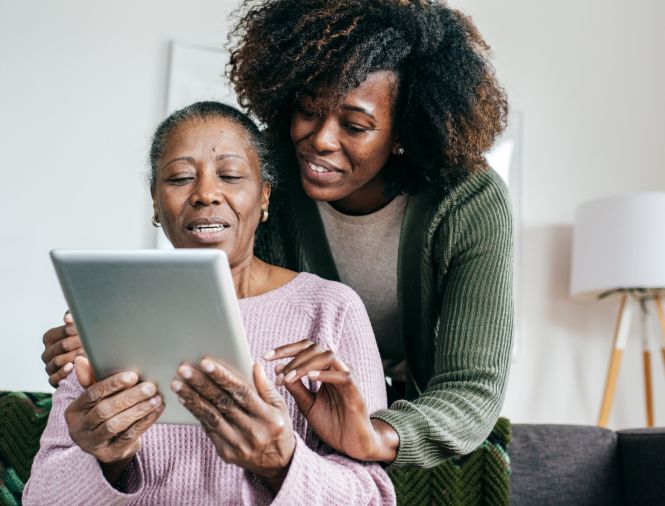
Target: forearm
451	417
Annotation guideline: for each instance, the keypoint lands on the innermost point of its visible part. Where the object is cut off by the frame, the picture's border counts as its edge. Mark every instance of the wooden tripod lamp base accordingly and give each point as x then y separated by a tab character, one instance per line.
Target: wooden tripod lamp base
621	332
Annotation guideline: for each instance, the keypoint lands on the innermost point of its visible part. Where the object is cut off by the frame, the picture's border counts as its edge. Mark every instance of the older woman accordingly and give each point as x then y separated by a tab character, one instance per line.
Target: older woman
381	111
210	189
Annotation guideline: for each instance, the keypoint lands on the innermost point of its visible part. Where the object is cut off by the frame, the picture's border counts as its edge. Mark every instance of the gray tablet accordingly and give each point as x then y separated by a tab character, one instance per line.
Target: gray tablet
148	310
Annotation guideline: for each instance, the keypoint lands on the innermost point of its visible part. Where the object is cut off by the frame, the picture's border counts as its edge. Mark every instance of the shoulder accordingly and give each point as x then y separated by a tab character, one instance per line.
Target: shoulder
321	297
478	193
478	204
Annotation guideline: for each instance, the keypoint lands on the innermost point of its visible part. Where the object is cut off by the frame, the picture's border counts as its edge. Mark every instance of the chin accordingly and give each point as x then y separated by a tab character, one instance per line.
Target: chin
320	193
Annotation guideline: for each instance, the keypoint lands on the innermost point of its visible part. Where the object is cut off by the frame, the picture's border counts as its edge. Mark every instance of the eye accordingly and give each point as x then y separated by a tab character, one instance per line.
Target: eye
356	129
230	178
306	113
180	180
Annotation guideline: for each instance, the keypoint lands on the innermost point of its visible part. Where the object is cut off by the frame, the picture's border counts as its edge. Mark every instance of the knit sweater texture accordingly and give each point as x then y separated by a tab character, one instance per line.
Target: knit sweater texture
178	464
455	294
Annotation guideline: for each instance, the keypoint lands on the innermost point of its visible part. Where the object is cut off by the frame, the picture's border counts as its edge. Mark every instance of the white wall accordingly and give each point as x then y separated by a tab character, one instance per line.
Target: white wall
589	78
82	85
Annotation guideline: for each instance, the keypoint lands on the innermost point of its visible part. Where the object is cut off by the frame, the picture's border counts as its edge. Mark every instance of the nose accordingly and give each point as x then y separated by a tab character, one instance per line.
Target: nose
207	191
324	137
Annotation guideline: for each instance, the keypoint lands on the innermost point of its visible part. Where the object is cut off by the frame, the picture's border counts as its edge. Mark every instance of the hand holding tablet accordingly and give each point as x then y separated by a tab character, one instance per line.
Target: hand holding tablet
150	310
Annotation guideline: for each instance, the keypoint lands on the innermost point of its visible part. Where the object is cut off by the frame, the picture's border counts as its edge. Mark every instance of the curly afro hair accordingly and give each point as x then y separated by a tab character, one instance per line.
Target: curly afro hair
448	108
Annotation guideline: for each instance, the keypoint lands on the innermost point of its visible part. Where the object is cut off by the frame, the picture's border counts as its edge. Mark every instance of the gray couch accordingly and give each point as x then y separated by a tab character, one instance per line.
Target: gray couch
584	465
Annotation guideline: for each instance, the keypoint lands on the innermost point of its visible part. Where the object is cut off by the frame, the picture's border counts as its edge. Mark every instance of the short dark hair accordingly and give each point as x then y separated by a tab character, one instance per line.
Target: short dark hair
209	110
449	108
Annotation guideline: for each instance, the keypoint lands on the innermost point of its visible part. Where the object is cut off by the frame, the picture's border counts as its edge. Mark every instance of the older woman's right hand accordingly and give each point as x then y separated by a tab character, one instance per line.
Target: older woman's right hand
61	347
109	418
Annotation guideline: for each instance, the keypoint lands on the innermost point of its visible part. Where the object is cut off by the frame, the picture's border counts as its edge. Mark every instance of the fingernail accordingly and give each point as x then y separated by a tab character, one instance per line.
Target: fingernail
148	389
68	367
155	400
176	385
313	374
270	354
182	401
279	379
207	365
290	376
129	377
185	371
279	368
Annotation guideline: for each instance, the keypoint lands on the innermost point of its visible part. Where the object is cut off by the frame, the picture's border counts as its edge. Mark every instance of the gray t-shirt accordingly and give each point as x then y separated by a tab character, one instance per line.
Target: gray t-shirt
365	250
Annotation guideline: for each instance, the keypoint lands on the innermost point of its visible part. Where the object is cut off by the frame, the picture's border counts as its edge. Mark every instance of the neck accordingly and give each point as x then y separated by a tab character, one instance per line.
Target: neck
365	200
250	276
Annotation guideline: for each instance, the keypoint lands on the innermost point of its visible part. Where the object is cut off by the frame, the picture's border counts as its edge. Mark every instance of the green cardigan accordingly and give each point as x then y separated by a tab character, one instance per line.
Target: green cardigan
456	306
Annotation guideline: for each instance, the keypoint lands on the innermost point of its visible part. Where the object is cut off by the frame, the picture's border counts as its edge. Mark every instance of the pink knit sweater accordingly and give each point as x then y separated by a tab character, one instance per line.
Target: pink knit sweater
178	465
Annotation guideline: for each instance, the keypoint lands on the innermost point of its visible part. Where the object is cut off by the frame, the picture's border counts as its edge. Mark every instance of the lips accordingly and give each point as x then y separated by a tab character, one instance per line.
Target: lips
317	171
212	223
207	230
319	165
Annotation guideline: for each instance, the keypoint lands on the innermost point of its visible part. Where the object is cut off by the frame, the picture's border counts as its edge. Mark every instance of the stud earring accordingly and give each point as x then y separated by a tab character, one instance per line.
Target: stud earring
264	215
400	151
155	221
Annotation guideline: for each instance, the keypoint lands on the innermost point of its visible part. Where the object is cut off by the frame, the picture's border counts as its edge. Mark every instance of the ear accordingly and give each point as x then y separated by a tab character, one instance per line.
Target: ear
396	147
265	195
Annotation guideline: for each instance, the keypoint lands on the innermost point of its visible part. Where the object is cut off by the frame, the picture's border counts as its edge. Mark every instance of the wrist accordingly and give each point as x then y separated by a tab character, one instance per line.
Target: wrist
113	470
387	441
274	477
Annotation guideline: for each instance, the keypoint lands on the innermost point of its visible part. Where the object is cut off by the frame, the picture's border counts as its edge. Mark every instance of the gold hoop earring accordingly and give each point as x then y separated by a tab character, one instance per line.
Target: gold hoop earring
155	221
264	215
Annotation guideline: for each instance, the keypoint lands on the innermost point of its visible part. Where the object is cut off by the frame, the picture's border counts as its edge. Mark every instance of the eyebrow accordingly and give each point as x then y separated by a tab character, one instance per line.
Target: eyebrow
347	107
359	109
190	159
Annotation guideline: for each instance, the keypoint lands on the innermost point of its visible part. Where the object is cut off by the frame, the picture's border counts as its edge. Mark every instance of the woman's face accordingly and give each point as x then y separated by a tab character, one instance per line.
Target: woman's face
344	150
208	190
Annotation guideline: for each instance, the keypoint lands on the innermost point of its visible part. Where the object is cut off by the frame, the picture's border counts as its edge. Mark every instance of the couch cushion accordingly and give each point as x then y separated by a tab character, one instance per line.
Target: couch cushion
642	463
564	465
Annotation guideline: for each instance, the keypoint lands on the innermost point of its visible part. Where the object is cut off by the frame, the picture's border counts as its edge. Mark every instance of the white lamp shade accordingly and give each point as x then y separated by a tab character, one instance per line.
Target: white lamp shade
619	242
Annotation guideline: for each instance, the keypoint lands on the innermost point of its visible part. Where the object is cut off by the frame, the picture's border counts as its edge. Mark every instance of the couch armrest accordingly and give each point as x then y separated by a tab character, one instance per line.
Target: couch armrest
642	464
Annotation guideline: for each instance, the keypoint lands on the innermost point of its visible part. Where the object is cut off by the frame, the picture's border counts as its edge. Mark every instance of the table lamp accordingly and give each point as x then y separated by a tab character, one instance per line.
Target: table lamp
619	249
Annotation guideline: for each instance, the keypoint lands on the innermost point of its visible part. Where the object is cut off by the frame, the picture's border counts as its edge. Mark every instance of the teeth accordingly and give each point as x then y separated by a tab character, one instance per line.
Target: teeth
208	228
318	168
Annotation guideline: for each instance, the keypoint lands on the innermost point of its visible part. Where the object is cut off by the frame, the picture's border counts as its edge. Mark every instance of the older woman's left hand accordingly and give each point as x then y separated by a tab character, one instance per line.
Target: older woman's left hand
249	428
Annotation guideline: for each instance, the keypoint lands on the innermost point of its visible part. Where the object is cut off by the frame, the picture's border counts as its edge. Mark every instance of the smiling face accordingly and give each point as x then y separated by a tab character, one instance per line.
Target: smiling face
208	190
341	153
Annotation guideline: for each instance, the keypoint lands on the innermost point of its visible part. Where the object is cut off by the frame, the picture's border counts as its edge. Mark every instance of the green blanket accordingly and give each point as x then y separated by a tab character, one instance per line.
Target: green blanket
482	477
23	417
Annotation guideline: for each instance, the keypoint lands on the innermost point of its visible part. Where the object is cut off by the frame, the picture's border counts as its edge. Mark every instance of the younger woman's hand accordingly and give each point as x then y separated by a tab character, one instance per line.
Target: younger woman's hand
249	428
337	411
61	347
109	418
